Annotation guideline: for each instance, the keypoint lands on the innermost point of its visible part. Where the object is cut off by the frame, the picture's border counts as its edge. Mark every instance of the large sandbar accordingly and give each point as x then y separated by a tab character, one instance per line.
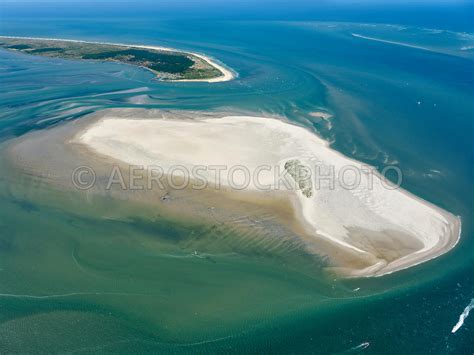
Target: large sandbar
390	229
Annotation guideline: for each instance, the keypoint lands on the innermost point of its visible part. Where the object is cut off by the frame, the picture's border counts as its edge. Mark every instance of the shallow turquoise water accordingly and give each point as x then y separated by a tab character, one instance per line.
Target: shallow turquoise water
392	104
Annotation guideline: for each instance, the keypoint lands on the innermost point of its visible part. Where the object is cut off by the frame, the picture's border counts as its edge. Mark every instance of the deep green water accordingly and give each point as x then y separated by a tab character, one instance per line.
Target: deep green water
71	280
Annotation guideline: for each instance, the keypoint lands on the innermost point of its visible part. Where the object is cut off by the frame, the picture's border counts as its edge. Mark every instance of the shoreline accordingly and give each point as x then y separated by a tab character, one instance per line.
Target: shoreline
227	74
382	237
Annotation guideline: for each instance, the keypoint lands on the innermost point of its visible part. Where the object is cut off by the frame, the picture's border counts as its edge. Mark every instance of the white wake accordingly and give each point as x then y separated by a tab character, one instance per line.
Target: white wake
463	316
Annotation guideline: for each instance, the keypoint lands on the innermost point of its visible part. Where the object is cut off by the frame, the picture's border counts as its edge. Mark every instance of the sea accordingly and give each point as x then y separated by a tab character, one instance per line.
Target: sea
400	93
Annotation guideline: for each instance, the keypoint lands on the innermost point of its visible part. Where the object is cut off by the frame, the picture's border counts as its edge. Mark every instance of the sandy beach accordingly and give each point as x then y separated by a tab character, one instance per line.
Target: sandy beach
383	229
227	74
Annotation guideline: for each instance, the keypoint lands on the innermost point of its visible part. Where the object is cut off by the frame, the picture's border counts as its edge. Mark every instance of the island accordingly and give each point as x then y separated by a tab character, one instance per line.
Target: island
166	63
362	227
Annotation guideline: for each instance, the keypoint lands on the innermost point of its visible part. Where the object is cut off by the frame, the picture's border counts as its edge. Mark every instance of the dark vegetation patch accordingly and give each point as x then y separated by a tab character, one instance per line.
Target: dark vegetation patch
47	49
160	62
19	46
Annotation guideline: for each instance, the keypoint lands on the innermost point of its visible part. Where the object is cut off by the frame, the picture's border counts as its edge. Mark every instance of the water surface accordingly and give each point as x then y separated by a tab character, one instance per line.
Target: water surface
71	280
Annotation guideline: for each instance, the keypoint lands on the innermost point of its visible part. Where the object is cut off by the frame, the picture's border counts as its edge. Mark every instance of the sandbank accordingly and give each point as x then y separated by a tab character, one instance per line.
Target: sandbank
387	228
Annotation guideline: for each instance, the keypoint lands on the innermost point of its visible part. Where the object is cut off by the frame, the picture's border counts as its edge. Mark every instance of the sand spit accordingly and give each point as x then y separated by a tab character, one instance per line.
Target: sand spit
378	228
227	75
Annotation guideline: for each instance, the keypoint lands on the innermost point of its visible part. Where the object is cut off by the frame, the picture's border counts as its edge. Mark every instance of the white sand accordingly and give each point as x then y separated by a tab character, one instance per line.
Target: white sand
226	73
333	213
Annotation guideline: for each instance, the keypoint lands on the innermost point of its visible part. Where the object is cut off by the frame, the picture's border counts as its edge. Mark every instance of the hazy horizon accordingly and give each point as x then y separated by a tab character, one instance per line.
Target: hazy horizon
443	14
